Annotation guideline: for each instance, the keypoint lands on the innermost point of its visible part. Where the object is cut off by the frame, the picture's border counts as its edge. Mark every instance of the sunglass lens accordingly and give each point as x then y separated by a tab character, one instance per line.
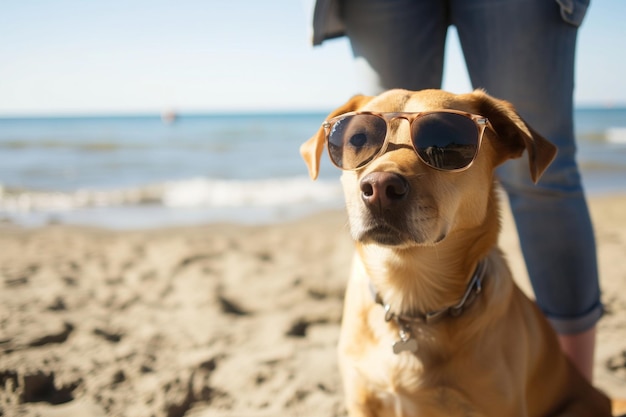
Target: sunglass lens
446	141
354	140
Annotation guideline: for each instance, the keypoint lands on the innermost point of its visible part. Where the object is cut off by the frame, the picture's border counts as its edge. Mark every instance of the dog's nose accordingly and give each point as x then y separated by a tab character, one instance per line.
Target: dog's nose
382	189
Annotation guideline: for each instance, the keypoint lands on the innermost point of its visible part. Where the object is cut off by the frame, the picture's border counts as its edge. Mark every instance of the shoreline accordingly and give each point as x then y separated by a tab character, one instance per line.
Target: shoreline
150	217
217	319
198	202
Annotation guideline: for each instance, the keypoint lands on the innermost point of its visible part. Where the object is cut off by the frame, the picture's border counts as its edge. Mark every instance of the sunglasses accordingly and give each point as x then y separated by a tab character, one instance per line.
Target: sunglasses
446	140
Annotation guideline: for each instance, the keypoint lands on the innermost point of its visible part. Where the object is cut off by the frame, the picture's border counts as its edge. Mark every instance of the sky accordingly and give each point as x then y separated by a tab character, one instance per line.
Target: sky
65	57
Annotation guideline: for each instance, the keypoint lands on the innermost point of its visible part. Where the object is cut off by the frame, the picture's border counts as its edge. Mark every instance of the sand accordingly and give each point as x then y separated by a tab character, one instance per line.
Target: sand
215	320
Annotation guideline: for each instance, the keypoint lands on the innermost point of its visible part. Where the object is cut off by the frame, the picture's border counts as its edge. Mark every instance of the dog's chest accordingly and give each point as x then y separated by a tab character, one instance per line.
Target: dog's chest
402	388
394	382
391	374
411	384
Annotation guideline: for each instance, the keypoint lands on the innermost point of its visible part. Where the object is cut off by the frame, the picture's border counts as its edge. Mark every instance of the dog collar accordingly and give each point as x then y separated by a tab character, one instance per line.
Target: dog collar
405	321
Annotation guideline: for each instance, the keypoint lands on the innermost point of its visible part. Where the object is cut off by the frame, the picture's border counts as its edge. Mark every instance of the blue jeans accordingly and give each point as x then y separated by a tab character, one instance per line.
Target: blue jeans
522	51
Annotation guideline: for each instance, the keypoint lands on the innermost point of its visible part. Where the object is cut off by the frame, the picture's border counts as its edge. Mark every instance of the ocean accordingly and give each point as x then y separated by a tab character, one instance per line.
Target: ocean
127	172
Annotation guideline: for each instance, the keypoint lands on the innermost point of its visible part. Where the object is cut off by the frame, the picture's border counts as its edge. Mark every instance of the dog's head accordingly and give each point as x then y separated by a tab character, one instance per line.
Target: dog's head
398	200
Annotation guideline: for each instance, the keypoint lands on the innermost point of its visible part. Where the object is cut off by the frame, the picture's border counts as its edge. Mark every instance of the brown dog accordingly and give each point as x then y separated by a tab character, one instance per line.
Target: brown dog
433	323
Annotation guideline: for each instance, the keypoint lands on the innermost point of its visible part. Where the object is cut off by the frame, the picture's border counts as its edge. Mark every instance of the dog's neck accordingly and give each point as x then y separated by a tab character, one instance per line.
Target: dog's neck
439	274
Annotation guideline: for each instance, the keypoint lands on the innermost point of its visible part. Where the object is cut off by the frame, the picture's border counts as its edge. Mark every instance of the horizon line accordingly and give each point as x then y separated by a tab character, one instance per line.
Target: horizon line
44	114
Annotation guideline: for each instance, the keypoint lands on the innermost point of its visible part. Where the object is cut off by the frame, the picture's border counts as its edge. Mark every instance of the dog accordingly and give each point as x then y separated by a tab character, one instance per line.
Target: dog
433	323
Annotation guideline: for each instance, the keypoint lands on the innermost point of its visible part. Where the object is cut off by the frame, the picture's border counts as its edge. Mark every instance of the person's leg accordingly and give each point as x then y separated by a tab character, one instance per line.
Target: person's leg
580	348
396	43
523	51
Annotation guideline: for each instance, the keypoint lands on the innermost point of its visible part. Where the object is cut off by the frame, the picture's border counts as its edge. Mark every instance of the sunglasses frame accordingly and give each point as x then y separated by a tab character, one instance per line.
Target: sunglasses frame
480	122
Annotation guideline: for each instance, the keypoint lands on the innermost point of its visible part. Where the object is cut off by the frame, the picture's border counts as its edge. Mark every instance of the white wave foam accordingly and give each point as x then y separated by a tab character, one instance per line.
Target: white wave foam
16	201
202	192
616	135
192	193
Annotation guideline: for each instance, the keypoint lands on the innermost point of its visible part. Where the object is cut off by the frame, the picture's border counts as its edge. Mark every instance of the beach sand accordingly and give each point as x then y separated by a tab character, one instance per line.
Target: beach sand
217	320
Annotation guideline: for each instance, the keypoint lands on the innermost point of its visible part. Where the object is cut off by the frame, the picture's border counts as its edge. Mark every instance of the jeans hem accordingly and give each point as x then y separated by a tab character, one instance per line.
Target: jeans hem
579	324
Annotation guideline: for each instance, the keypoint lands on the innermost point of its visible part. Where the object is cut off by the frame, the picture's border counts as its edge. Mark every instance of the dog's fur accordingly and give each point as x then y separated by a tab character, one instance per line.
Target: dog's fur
500	358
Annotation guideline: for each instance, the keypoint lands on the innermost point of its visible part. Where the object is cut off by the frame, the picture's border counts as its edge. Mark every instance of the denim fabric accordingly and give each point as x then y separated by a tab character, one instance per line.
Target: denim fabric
326	22
573	11
522	51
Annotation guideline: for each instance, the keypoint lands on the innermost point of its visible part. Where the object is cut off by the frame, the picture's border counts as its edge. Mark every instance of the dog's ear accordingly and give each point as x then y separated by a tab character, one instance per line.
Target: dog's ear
311	150
515	134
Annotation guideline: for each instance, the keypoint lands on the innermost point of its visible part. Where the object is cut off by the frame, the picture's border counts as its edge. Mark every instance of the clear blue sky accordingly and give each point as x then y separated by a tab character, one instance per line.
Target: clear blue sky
79	56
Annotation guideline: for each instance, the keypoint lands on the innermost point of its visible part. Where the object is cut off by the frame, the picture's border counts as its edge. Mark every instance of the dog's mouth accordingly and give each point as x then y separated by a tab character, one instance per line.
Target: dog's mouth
397	231
384	234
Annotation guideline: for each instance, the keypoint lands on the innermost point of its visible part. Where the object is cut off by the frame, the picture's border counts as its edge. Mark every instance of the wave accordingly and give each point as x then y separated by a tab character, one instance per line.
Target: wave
190	193
616	135
111	146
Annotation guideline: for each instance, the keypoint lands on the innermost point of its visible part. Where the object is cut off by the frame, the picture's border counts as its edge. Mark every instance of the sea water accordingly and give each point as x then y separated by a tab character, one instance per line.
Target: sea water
142	171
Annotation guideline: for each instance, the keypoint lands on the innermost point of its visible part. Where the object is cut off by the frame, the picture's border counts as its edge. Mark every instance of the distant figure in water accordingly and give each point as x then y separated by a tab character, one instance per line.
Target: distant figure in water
168	116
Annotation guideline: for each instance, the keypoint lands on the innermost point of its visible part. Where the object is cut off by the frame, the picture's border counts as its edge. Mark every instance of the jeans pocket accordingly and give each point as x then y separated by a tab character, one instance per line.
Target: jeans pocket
573	11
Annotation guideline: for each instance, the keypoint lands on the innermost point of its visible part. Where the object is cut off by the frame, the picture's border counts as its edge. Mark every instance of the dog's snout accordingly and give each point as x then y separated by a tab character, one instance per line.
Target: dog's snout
382	189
